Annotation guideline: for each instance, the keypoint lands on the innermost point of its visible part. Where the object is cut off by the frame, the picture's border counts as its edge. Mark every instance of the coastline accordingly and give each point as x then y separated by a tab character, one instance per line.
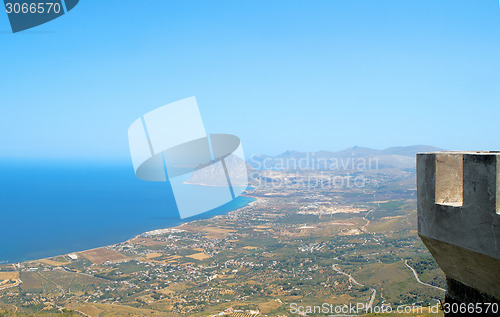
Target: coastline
174	226
177	227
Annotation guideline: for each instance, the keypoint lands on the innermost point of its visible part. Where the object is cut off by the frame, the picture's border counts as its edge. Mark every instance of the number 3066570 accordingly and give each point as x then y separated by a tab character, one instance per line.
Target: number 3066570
34	8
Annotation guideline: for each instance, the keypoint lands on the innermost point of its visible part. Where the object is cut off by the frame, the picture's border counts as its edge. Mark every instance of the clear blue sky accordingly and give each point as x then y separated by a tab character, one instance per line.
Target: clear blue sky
282	75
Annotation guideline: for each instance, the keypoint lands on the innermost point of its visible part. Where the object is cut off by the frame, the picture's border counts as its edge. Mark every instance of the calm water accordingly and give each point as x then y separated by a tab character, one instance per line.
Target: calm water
49	208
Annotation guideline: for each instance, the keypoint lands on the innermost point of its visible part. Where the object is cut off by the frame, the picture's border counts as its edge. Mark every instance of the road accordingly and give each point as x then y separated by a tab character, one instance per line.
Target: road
418	279
353	281
16	309
367	221
19	282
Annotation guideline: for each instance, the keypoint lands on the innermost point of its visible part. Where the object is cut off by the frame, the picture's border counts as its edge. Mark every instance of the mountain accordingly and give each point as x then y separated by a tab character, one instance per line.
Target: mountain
355	158
410	150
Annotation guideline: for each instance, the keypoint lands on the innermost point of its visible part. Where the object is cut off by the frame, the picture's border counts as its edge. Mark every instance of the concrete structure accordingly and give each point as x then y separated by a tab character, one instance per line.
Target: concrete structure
459	221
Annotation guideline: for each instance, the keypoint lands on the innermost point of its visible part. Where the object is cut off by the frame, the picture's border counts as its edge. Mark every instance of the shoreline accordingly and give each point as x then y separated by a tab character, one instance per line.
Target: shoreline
250	204
175	226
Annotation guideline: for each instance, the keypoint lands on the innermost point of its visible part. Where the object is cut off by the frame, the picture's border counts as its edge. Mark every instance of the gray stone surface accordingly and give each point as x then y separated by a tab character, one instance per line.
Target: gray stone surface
458	215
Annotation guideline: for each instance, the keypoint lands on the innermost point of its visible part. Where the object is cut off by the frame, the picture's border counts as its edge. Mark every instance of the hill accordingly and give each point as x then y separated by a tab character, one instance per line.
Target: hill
401	157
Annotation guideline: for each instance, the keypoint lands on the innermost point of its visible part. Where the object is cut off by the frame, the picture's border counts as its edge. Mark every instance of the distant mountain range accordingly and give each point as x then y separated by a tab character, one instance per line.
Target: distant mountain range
355	158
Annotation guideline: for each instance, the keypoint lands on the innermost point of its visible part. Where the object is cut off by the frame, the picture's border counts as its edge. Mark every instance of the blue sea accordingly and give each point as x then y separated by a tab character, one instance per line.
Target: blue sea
50	208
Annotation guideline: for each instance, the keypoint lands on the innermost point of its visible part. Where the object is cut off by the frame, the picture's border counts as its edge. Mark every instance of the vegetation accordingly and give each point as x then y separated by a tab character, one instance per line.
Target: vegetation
335	246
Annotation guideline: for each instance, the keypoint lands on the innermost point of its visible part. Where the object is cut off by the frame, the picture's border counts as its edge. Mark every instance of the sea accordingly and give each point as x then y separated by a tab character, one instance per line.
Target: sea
48	208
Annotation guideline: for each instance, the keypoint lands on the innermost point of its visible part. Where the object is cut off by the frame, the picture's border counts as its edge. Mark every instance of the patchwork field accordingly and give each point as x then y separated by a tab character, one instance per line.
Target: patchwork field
52	262
199	256
101	255
9	275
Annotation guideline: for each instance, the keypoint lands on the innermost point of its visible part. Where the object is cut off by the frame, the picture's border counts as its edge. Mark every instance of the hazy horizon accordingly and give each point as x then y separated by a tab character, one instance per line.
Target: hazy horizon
126	162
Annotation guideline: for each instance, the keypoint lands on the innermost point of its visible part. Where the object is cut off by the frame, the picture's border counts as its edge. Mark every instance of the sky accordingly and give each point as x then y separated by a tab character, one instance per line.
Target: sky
281	75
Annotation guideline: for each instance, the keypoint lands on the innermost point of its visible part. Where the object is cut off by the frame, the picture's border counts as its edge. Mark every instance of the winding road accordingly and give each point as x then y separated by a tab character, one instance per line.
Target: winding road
418	279
353	281
367	221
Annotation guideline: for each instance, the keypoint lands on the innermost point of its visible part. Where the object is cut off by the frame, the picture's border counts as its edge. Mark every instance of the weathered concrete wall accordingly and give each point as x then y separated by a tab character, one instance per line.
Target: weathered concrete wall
458	220
461	293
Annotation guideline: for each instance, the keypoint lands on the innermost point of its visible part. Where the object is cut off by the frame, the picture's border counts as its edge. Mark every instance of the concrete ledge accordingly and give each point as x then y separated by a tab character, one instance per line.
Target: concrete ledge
458	199
459	220
473	269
